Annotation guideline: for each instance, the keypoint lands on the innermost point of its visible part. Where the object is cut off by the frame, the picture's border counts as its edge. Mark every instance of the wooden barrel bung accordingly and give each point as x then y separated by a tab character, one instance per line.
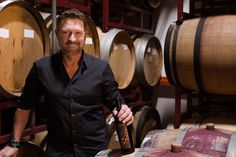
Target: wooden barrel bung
210	126
176	147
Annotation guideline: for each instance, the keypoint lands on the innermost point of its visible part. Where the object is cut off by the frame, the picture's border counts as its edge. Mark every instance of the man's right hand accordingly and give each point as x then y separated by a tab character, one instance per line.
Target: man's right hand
9	152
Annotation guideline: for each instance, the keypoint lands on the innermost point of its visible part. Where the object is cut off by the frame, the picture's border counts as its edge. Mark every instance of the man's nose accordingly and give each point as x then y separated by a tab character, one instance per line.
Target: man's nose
72	37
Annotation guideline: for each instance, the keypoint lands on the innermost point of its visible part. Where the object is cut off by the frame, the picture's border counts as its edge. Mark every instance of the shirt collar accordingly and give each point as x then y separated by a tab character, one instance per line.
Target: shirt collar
83	61
57	62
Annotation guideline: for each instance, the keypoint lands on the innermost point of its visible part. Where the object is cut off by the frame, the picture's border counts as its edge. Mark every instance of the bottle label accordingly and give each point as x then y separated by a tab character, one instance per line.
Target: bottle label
123	136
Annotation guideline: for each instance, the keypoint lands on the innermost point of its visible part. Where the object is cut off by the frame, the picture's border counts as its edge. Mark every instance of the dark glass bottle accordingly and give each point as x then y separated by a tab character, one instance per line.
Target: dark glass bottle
124	133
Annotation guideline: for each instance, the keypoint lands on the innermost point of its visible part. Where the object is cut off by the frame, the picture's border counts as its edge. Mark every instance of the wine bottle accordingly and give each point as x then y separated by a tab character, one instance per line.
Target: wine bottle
123	132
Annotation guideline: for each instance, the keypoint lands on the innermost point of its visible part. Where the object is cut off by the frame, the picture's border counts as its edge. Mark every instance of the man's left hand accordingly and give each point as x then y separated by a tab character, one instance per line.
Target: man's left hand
125	114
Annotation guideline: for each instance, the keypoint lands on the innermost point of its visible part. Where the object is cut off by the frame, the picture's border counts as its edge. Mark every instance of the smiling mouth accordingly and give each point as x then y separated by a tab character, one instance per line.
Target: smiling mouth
72	45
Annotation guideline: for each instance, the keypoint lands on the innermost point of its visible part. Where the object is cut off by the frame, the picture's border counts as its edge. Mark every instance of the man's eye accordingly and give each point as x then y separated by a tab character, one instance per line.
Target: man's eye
65	33
79	33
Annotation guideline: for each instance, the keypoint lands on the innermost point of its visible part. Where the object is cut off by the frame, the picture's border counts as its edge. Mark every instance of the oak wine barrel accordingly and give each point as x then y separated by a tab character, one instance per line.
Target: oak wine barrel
92	43
40	139
117	48
200	54
146	119
48	22
23	40
209	140
148	60
29	149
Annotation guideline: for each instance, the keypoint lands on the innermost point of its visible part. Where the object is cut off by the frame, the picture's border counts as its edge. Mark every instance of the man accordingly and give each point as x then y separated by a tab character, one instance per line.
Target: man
74	85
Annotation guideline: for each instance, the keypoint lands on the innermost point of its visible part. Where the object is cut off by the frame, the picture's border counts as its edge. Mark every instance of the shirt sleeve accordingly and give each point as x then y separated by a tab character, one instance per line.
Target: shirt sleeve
31	90
110	89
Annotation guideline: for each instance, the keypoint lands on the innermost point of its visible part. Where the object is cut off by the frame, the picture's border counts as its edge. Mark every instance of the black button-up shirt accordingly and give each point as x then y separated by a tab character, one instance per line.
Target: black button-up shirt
76	123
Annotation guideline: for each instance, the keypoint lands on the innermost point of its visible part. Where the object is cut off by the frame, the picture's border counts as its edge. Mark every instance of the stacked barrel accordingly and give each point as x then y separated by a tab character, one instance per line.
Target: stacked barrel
24	39
200	54
208	141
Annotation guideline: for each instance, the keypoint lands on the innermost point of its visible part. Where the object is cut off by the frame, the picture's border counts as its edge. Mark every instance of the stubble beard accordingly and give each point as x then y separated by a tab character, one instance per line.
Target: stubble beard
71	53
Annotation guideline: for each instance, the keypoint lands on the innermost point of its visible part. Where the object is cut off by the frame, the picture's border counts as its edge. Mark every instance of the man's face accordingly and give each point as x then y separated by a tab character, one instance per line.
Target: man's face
71	36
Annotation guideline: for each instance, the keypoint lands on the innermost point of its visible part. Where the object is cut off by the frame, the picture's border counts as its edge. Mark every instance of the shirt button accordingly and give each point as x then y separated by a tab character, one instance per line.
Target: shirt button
72	115
75	145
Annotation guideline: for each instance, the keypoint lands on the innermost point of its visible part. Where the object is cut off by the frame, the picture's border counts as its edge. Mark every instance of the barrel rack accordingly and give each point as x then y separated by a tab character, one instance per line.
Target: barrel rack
206	103
123	10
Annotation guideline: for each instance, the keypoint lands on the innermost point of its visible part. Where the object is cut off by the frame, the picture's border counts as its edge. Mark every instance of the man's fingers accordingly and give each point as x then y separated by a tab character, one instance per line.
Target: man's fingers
125	115
131	121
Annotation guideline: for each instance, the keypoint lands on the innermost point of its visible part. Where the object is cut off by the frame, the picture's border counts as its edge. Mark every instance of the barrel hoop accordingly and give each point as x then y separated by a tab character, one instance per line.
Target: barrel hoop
197	55
175	73
47	20
141	152
107	42
181	135
153	135
158	137
140	57
146	142
231	151
167	54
